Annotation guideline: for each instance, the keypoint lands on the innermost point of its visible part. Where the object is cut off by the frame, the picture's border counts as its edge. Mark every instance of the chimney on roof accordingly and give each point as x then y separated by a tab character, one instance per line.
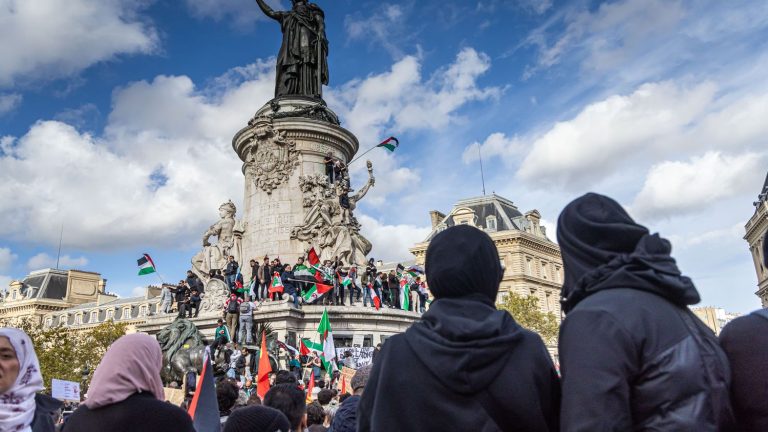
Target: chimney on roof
436	217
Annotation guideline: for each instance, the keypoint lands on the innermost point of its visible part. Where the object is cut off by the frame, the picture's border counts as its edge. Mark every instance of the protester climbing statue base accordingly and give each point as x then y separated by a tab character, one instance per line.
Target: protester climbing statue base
290	203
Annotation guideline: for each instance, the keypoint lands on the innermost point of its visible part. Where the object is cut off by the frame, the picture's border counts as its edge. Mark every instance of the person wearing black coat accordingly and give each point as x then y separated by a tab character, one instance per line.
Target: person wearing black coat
289	284
194	282
265	277
632	355
745	342
468	366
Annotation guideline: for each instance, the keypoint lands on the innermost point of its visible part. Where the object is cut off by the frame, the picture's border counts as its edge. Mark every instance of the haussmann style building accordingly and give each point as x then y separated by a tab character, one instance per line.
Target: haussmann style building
532	262
755	233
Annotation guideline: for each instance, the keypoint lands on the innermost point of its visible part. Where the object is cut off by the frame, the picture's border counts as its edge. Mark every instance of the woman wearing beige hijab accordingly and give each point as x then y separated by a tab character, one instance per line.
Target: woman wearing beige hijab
126	393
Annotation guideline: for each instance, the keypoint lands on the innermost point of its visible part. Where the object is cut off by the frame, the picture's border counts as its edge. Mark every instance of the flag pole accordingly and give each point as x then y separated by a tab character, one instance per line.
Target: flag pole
362	154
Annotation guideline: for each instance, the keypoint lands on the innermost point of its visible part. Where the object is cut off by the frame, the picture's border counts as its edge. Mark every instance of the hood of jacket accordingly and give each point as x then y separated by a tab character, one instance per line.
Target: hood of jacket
604	248
464	342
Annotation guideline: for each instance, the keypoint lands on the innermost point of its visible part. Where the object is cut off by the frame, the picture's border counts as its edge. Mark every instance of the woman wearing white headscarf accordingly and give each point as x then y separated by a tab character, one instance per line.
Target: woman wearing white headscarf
21	407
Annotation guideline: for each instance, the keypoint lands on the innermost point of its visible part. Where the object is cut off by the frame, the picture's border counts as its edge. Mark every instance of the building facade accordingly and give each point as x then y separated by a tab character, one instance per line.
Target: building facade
47	291
532	262
755	234
715	318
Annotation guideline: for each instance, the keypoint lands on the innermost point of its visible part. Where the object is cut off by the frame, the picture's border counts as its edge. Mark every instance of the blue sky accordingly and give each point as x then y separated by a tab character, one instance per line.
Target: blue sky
116	120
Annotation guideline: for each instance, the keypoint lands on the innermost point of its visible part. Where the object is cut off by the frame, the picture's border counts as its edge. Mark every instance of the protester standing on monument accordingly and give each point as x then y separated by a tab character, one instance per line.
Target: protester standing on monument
245	321
414	293
126	392
265	276
476	368
254	270
632	355
232	312
22	408
745	342
329	172
194	282
166	299
386	298
394	289
230	272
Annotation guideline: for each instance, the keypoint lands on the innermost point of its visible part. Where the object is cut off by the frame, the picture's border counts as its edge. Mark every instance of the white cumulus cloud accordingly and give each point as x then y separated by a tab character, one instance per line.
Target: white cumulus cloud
48	39
612	131
391	242
681	187
43	260
7	257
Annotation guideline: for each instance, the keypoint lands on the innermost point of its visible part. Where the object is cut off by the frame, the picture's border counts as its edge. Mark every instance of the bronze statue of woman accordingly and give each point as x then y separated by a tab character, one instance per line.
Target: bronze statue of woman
302	64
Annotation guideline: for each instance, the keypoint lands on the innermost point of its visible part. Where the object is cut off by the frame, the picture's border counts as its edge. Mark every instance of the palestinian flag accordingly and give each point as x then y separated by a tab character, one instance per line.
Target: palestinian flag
262	383
277	284
204	408
286	347
390	144
405	298
312	257
326	336
308	347
315	292
300	270
374	297
146	265
346	281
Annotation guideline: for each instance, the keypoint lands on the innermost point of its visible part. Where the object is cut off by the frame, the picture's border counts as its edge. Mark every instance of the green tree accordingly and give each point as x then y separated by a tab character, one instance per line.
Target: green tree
65	355
527	313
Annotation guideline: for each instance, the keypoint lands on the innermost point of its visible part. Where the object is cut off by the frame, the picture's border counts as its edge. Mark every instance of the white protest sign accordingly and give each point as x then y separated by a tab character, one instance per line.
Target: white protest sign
65	390
357	340
362	356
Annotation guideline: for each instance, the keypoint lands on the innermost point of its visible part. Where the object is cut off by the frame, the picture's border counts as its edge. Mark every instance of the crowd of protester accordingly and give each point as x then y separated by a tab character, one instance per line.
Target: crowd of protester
632	356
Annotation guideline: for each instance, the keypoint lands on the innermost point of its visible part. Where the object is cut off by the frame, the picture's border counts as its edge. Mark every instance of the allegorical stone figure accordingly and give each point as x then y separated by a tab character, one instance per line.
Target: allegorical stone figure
302	64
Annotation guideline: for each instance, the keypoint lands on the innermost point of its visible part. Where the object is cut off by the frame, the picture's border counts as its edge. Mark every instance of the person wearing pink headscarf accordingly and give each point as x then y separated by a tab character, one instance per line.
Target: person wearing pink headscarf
126	392
22	409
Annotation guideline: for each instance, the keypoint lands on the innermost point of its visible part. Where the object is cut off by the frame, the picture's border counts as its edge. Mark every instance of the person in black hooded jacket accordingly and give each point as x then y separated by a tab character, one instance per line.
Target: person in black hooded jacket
467	366
745	342
632	355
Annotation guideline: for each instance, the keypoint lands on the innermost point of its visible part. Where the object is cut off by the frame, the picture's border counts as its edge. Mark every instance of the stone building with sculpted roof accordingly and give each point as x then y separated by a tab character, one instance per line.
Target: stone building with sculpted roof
755	233
532	262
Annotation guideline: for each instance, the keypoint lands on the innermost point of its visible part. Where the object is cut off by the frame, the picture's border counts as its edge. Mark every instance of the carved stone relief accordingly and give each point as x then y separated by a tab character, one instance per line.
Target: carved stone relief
271	158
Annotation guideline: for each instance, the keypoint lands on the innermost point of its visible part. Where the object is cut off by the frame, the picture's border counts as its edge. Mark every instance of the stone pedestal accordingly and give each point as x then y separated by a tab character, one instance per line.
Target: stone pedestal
287	138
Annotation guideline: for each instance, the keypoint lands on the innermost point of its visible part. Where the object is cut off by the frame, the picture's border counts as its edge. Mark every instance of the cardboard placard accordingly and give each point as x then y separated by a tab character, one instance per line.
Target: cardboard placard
65	390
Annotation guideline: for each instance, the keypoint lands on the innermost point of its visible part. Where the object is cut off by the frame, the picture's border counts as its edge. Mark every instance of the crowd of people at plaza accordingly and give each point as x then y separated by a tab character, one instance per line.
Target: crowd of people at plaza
632	356
272	281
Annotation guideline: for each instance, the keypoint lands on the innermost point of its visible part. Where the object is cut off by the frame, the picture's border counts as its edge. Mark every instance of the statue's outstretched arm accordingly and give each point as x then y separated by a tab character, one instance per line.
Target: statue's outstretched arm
268	10
371	180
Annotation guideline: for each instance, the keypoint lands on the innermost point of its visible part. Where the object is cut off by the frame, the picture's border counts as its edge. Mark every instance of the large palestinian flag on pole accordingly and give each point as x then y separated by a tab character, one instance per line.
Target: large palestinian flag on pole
326	338
390	144
405	298
146	265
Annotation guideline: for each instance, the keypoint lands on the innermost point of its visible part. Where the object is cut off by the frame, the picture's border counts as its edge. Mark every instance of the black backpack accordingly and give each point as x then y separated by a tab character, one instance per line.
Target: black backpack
232	306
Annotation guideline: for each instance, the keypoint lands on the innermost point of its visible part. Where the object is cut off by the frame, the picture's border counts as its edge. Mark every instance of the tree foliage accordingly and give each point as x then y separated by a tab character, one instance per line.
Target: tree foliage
527	313
69	355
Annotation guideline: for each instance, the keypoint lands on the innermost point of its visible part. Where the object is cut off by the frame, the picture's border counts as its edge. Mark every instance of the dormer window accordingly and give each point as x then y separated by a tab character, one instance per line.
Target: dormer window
490	223
110	314
94	316
48	322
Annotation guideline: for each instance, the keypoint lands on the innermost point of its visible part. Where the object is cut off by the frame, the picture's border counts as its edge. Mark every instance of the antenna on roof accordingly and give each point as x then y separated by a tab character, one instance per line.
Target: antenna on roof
58	255
482	175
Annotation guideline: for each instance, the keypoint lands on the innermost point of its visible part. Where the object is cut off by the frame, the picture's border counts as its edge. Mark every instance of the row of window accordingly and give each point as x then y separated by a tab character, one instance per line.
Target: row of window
543	269
94	316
